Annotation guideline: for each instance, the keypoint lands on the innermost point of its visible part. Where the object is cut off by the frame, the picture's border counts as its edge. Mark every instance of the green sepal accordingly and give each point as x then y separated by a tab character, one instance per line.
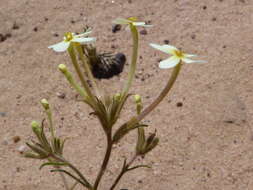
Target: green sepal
38	149
53	164
33	155
72	176
152	145
126	128
140	141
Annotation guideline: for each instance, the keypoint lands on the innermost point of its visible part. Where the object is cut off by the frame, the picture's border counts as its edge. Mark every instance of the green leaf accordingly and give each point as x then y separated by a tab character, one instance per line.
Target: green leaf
138	166
72	176
53	164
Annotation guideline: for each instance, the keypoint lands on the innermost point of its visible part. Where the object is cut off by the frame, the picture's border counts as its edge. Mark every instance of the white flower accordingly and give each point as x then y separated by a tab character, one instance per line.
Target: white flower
176	57
71	37
130	20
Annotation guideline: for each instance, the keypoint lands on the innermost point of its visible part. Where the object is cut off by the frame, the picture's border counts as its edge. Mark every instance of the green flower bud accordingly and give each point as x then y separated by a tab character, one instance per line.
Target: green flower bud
36	127
62	68
45	104
117	96
137	99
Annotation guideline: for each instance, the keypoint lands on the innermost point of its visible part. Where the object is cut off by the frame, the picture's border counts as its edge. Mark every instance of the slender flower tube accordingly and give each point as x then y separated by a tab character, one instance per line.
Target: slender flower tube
132	23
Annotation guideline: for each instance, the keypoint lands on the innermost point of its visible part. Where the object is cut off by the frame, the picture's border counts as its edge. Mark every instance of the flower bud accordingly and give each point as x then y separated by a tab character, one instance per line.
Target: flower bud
117	96
62	68
45	104
36	127
137	99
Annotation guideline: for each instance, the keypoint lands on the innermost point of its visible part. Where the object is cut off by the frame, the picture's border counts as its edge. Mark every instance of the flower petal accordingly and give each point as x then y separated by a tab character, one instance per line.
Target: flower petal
186	60
190	55
60	47
141	24
169	63
121	21
164	48
84	40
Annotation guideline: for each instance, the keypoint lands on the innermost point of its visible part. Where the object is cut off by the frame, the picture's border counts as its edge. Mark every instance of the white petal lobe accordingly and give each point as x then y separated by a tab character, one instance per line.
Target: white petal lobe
169	63
60	47
84	40
164	48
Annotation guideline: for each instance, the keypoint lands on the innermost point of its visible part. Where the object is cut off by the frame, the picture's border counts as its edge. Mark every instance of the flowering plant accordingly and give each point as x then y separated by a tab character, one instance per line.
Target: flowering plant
107	108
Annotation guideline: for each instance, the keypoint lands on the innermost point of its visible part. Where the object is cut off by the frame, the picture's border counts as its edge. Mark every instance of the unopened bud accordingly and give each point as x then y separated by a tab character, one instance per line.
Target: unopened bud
45	104
137	99
36	127
62	68
117	96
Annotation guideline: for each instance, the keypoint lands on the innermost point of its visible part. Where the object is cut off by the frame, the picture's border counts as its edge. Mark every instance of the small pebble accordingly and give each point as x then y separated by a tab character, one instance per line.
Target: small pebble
46	19
116	28
179	104
129	1
21	149
61	95
166	41
193	36
73	22
204	7
55	34
143	32
214	19
16	139
3	114
5	141
35	29
229	121
15	26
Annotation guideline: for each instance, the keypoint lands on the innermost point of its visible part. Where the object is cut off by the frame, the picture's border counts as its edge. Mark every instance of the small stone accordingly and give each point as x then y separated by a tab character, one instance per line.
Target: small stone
73	22
18	96
46	19
166	41
193	36
5	142
3	114
224	46
17	169
214	19
116	28
139	181
129	1
204	7
16	139
61	95
8	35
229	121
35	29
143	32
15	26
55	35
179	104
21	149
113	46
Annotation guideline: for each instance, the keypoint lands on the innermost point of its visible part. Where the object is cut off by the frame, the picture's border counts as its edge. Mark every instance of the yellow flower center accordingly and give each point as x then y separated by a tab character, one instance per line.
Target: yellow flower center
132	19
68	37
179	53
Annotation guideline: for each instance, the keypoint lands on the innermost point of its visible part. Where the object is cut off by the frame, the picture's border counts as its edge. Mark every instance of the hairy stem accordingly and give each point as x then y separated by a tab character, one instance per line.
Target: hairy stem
79	72
162	95
105	161
86	65
123	171
133	61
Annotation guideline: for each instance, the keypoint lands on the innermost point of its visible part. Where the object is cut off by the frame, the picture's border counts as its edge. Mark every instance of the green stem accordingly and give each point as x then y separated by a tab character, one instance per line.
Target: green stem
86	66
123	171
133	61
79	73
105	162
162	95
49	116
59	158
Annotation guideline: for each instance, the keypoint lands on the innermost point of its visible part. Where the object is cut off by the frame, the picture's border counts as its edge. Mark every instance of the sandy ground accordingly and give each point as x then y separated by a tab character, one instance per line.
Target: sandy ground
205	144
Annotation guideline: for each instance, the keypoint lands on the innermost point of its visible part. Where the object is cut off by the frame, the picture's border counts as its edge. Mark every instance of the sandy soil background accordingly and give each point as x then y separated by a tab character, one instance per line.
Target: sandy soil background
204	144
